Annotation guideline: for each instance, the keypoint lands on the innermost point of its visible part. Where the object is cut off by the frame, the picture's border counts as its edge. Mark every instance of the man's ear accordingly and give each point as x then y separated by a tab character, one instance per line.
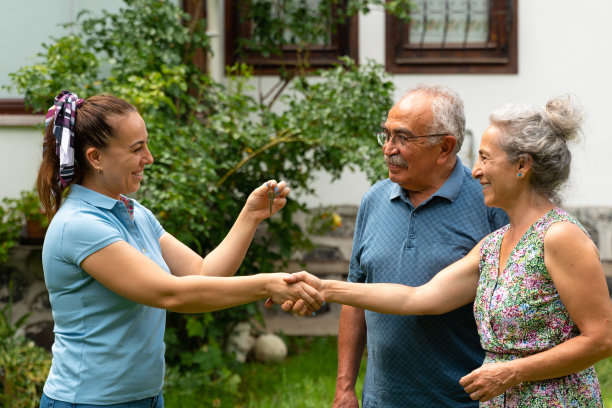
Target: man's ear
447	148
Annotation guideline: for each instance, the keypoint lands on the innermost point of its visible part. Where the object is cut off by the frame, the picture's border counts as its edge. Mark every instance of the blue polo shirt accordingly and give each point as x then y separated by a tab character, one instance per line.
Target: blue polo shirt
417	361
107	349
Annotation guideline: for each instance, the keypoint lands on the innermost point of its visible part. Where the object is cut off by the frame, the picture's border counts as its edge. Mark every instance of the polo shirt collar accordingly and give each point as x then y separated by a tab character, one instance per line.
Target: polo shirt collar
449	190
92	197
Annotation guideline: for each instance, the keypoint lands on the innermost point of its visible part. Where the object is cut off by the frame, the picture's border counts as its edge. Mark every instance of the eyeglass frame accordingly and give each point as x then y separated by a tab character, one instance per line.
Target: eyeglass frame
384	134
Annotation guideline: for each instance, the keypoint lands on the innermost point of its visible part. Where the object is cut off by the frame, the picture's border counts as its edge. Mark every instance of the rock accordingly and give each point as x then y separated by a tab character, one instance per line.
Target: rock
269	348
241	341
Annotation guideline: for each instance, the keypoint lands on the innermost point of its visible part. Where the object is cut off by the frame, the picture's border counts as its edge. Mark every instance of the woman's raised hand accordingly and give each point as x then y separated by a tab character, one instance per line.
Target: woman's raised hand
267	199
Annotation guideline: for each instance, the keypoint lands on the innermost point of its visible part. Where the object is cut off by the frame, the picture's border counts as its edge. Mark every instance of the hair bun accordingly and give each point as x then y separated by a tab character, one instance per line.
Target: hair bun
564	116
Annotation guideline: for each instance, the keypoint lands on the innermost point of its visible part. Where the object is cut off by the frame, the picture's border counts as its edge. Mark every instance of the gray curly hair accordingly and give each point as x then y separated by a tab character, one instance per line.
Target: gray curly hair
540	134
448	112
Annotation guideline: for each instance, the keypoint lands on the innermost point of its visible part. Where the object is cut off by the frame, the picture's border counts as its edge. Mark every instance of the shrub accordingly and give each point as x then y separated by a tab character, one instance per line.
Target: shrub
23	366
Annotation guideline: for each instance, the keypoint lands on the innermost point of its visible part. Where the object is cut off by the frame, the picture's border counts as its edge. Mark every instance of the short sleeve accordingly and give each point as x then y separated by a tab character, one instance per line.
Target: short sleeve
155	224
86	233
356	274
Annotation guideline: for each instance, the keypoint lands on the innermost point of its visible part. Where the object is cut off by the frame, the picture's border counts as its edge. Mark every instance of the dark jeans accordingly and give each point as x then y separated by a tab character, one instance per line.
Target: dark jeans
153	402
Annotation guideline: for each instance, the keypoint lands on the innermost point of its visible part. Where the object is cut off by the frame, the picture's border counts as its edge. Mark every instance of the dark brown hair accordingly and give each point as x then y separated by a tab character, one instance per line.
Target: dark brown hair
94	125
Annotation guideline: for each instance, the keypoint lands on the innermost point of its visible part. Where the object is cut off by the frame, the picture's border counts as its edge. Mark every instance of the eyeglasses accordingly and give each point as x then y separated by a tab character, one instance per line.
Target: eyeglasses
400	140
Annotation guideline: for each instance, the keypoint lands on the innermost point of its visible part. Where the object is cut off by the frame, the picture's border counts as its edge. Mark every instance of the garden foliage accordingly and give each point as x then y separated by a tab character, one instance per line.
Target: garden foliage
23	365
215	142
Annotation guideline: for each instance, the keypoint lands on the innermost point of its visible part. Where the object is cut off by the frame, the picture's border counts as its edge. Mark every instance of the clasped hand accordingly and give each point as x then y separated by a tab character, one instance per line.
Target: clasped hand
489	381
310	285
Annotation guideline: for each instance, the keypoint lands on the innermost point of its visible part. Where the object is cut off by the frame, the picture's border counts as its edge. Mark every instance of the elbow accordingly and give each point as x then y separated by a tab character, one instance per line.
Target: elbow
604	346
168	300
178	303
171	303
602	342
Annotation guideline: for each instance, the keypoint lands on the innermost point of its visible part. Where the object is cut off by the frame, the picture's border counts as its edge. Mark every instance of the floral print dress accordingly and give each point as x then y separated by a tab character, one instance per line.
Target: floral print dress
519	313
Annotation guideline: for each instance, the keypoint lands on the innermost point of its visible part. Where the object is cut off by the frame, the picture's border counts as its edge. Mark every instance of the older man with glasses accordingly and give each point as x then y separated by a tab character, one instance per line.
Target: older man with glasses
426	215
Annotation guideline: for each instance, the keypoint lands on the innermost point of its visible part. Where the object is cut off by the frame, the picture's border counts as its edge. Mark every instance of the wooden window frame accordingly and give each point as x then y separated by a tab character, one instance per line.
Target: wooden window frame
197	10
345	41
498	56
14	106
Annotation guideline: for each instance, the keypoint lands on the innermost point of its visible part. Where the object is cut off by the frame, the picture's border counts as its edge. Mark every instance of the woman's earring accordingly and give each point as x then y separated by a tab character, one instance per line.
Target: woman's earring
100	170
518	175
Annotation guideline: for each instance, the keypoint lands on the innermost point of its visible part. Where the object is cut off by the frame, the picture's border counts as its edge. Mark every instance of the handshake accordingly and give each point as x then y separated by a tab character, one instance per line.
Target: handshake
300	292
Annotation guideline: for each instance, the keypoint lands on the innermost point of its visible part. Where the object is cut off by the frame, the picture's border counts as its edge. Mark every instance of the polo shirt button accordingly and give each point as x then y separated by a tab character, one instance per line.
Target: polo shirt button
412	236
144	251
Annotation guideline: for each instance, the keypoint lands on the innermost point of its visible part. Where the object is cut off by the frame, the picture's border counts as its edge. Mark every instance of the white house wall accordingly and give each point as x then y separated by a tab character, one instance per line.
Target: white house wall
562	48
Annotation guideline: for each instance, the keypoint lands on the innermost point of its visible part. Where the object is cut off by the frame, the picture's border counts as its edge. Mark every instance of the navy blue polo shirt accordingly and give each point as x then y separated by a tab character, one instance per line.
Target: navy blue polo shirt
417	361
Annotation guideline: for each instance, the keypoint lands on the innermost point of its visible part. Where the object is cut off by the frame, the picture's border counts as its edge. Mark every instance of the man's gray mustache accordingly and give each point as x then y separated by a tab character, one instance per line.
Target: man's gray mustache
396	160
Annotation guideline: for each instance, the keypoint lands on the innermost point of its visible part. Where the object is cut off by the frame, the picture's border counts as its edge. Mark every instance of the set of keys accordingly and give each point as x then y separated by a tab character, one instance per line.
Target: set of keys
271	197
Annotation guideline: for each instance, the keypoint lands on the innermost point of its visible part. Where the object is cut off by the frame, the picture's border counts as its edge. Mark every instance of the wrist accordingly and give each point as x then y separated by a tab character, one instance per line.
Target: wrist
250	218
268	285
329	290
345	384
514	372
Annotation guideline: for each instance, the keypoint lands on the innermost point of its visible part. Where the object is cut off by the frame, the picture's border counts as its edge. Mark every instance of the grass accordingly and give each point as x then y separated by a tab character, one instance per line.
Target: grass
304	380
604	372
307	379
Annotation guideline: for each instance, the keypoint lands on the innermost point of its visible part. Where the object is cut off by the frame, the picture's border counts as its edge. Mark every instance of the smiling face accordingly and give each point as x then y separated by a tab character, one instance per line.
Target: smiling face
124	159
497	175
412	165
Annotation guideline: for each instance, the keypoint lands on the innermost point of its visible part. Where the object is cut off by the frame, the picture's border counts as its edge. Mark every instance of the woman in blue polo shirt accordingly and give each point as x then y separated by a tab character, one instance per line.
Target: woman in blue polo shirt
110	268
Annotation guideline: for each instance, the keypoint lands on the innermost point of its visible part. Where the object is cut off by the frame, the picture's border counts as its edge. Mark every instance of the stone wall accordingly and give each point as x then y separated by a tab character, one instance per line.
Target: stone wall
23	274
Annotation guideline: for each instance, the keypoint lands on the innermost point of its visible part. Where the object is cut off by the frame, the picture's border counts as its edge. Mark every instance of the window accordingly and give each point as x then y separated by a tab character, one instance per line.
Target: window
246	42
454	36
13	106
197	10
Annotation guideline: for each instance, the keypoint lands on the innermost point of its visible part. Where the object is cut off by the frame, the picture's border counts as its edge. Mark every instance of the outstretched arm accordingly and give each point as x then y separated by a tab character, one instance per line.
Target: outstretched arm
573	263
226	258
124	270
450	289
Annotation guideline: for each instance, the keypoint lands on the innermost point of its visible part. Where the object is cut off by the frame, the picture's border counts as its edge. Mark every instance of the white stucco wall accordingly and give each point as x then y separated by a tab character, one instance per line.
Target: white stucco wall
25	26
20	155
562	49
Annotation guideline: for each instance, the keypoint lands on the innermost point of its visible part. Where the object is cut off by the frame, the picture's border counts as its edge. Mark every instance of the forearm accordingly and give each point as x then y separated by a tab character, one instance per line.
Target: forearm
449	289
387	298
199	294
566	358
351	344
226	258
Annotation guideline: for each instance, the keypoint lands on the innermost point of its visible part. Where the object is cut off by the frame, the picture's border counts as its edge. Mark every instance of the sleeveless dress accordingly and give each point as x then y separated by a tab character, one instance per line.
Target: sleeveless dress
520	313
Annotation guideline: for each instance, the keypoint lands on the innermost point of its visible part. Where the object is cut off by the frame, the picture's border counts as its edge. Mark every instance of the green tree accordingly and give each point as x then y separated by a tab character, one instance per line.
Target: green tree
213	143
